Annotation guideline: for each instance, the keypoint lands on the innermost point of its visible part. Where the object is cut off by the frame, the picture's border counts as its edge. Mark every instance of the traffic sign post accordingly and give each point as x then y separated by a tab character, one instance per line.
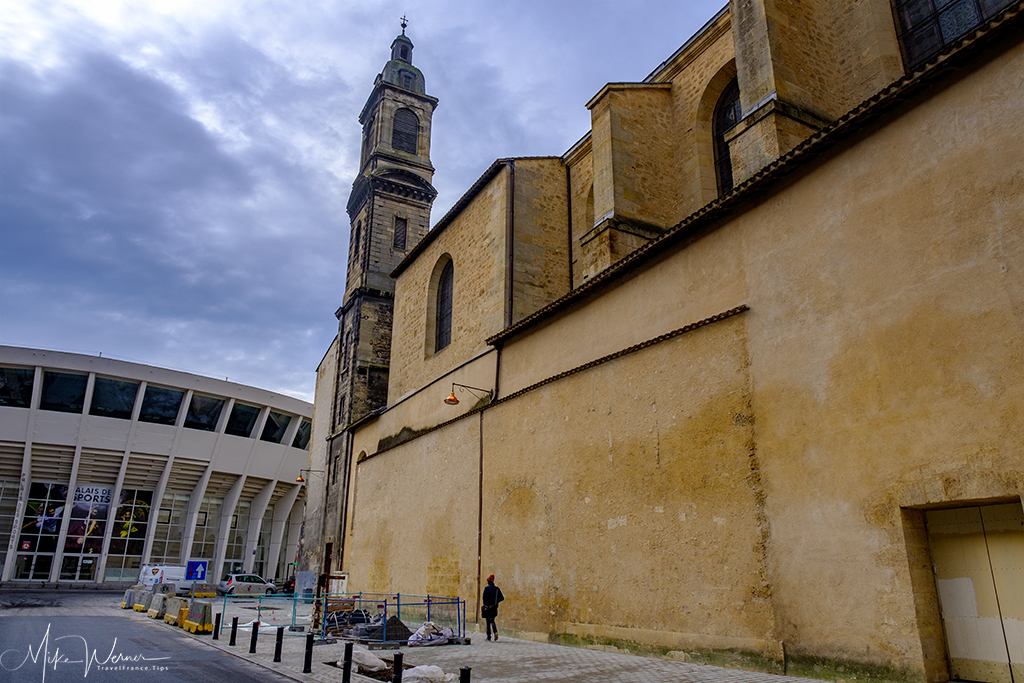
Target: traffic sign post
196	570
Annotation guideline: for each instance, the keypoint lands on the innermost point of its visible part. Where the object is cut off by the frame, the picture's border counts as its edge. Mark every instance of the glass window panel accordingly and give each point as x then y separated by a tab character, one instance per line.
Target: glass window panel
992	7
113	398
301	439
38	491
160	406
958	18
923	42
276	425
243	418
63	392
203	412
444	307
16	386
926	26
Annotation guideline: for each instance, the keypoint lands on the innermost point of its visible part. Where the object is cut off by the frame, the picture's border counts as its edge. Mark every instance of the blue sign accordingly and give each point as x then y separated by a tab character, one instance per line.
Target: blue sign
196	570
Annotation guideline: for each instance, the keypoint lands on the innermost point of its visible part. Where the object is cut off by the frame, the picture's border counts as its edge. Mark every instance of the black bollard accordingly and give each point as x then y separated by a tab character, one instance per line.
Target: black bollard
279	643
307	665
234	630
216	628
346	675
464	674
255	635
398	668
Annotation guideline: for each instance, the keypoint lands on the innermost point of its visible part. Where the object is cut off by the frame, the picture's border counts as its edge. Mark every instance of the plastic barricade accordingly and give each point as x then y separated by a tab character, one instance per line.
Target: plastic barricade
199	618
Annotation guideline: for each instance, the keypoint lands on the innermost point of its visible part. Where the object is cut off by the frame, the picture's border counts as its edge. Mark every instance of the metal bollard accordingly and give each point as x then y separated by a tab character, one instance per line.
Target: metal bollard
279	643
307	665
216	628
234	630
398	668
346	675
255	635
464	674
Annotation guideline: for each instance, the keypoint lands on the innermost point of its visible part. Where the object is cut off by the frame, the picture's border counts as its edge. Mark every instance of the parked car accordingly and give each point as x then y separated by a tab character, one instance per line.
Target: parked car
245	584
289	585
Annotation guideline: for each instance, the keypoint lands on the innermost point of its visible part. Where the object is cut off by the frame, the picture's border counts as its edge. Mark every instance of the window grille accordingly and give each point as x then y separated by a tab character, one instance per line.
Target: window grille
406	134
400	230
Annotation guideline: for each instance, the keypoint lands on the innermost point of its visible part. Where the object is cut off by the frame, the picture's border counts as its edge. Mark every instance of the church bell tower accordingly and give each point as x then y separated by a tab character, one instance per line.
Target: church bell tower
389	213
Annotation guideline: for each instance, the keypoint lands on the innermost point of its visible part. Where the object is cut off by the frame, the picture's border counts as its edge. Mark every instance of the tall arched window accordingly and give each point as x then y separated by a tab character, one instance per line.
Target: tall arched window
405	135
727	115
443	317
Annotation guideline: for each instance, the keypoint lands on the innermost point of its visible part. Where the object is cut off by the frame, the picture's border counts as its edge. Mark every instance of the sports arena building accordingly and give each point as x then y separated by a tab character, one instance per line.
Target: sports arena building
106	465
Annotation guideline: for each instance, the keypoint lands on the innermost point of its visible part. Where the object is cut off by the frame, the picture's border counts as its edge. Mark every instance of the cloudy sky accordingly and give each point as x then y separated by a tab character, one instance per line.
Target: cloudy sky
174	173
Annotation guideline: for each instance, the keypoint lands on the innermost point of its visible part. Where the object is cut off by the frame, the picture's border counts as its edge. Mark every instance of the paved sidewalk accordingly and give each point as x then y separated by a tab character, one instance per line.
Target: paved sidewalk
508	660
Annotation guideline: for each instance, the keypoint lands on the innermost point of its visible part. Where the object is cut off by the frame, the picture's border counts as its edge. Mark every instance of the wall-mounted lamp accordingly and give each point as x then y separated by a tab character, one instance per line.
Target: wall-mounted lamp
479	393
299	478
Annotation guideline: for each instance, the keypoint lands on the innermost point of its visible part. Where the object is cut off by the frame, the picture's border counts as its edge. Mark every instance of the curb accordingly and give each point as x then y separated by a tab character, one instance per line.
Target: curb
278	669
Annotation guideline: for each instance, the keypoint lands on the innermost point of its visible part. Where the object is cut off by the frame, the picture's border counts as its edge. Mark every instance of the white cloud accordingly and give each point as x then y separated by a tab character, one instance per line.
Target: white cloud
176	172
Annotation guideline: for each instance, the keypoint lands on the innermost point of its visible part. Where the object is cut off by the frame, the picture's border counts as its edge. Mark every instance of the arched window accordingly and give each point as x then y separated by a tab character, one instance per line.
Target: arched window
405	135
443	317
727	115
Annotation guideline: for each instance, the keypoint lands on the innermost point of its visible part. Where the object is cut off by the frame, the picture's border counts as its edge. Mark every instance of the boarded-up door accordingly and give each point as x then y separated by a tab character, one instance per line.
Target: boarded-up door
978	555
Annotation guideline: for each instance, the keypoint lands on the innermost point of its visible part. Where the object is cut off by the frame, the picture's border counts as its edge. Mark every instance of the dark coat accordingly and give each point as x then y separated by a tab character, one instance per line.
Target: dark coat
492	596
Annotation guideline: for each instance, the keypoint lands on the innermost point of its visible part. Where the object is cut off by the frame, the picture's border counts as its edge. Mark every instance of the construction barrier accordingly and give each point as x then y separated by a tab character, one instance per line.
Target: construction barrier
203	590
143	601
199	617
164	589
129	599
156	607
173	608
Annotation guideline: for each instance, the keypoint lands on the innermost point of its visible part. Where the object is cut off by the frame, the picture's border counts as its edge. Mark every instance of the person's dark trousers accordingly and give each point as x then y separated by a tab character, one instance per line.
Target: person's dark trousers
491	625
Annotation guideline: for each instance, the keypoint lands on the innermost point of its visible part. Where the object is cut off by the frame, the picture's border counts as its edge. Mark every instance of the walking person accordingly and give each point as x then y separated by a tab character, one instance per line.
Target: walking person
492	596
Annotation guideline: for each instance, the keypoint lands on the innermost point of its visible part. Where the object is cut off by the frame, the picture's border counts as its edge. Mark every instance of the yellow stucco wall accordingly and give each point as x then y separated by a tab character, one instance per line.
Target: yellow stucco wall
413	524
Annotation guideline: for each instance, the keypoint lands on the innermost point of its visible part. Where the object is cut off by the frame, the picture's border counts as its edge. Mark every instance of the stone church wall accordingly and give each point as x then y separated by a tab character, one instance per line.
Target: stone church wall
476	242
753	485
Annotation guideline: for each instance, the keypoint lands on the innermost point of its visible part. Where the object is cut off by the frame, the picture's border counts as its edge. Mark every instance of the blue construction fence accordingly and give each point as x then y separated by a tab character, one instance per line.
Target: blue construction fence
365	617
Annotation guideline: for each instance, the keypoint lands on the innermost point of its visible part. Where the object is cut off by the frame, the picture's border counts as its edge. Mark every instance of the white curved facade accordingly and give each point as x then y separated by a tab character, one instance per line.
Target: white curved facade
106	465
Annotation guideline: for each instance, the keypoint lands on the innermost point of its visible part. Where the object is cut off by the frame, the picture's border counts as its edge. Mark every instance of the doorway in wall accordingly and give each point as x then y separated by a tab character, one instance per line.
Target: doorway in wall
978	559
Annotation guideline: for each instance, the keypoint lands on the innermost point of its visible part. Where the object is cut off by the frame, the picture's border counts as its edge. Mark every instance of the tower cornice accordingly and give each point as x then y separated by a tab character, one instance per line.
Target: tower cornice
381	87
393	182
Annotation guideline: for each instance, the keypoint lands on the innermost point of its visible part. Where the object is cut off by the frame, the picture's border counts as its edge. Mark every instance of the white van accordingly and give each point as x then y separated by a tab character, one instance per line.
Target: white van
152	574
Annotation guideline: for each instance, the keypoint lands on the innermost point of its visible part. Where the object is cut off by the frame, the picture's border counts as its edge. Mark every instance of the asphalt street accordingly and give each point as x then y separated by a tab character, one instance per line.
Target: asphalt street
51	643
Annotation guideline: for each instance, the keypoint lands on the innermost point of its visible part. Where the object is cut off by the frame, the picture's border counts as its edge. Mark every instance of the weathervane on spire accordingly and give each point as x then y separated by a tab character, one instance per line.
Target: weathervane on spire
405	22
